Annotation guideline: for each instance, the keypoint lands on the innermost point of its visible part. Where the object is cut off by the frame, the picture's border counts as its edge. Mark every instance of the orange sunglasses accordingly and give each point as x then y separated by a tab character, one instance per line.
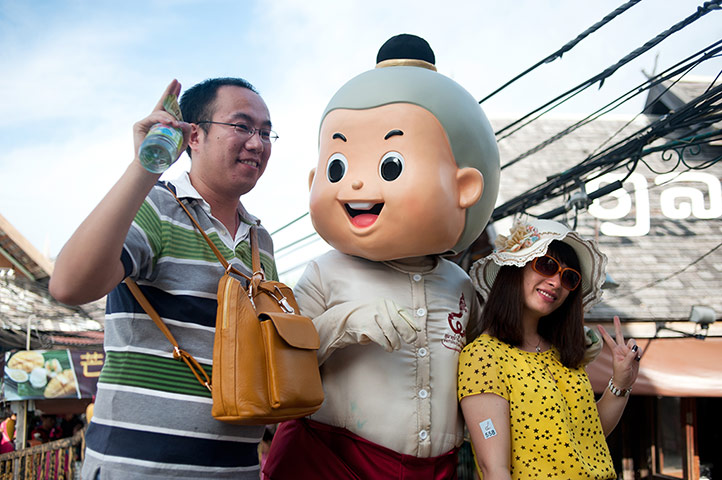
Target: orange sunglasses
549	266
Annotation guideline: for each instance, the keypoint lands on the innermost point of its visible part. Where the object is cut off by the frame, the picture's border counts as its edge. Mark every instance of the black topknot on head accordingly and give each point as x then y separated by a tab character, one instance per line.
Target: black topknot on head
406	46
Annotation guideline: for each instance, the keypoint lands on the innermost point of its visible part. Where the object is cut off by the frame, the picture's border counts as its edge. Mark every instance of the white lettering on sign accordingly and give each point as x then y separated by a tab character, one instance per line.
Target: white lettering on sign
696	204
623	207
677	201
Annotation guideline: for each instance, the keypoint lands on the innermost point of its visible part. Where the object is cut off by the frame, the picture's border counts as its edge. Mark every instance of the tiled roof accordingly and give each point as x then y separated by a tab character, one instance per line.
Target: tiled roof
51	322
24	300
659	273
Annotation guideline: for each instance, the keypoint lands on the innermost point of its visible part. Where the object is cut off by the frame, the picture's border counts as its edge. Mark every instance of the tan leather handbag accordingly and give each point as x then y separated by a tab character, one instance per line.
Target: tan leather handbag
264	355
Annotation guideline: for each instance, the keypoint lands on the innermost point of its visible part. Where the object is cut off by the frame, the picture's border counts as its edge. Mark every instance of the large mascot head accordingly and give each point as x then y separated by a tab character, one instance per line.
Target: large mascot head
408	164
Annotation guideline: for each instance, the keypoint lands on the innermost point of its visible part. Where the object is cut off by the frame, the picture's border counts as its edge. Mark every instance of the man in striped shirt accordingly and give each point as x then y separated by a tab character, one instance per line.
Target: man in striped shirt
152	418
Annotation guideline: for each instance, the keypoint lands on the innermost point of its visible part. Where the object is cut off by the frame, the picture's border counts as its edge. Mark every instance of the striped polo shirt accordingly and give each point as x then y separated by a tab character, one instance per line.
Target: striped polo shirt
152	419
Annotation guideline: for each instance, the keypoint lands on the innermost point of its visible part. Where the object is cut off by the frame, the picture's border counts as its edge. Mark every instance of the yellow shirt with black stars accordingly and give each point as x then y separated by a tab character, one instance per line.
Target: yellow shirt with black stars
555	426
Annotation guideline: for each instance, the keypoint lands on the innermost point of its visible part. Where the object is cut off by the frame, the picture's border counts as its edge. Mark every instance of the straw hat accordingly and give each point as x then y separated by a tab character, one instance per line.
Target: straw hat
530	239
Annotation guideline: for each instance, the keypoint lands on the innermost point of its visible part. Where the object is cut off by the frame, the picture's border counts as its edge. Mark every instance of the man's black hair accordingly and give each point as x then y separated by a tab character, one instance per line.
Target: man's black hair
198	102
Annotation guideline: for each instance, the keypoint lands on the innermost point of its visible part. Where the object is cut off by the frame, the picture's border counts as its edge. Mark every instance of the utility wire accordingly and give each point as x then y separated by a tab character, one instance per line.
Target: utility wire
660	280
686	65
558	54
289	224
601	77
704	109
296	242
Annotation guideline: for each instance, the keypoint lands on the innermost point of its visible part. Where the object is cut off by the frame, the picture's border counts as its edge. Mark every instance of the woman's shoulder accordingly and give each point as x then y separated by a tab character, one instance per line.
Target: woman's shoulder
486	344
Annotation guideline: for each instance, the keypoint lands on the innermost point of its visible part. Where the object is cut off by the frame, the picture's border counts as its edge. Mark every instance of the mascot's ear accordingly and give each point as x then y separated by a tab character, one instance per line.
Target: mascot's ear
311	174
471	185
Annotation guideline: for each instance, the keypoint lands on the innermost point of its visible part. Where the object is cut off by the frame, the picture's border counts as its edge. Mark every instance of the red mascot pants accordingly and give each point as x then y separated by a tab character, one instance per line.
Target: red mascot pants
304	449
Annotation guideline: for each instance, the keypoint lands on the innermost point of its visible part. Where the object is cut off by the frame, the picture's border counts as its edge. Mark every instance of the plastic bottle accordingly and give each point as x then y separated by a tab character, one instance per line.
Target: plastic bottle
161	146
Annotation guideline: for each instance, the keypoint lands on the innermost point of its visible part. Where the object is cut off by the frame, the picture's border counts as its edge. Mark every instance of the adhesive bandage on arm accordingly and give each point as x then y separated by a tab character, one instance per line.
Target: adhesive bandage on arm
487	428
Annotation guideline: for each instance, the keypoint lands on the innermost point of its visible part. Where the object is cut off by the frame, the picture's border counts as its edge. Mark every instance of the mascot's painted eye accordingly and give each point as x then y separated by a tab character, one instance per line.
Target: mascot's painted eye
391	166
336	168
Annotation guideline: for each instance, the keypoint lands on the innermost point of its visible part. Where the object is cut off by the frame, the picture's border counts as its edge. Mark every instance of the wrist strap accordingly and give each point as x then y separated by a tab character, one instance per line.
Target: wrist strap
618	392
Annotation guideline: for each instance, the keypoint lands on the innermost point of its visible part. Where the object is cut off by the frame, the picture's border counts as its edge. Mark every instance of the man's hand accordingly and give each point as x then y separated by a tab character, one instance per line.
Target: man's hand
89	265
160	115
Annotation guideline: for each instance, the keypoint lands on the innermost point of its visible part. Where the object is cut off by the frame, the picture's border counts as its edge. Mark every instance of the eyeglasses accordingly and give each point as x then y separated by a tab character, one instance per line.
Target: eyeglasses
266	135
548	266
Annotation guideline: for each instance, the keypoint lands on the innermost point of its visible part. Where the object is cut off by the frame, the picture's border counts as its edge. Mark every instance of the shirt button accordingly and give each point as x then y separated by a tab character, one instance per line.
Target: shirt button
423	393
422	352
417	277
420	312
423	434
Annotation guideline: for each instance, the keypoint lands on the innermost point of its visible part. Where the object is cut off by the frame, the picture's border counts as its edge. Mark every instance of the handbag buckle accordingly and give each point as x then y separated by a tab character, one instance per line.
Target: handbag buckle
283	301
250	295
177	354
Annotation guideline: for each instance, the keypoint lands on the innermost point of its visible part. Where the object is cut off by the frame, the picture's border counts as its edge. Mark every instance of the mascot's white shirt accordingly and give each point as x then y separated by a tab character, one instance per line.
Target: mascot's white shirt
404	400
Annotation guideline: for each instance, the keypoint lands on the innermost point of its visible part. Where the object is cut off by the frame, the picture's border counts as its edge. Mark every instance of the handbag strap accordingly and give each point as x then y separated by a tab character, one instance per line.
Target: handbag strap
257	277
255	256
178	353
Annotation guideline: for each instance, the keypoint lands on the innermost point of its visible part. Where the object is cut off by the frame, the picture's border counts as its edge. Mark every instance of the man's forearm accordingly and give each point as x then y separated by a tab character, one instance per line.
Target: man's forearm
89	265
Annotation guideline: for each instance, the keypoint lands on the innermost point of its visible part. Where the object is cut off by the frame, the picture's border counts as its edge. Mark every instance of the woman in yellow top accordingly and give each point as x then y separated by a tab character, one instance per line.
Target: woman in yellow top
526	398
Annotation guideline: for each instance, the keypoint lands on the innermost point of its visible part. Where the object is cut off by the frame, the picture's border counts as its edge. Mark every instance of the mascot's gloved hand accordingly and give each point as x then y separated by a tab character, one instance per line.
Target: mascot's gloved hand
593	344
360	322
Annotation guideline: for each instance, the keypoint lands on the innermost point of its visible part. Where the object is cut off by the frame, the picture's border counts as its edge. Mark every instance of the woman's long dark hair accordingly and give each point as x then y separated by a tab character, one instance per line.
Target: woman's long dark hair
563	328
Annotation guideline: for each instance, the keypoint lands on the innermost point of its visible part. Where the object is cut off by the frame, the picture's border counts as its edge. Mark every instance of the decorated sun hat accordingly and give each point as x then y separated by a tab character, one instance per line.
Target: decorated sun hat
530	239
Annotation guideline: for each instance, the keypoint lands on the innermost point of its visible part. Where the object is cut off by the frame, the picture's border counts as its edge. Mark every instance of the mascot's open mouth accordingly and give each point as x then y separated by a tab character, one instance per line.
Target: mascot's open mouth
363	214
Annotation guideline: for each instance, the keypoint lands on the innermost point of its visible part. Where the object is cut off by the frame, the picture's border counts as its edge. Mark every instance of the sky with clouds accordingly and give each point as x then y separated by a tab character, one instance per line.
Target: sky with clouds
75	76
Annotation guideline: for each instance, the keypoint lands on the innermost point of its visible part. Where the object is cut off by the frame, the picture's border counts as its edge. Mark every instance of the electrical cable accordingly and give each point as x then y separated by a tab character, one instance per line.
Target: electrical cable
674	71
601	77
289	224
568	46
625	152
660	280
296	242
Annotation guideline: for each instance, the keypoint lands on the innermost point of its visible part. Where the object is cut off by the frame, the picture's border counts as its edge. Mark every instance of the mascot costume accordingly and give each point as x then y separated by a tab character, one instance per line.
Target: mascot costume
408	172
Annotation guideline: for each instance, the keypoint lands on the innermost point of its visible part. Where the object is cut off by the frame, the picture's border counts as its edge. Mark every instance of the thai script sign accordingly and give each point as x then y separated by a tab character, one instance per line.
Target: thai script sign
681	195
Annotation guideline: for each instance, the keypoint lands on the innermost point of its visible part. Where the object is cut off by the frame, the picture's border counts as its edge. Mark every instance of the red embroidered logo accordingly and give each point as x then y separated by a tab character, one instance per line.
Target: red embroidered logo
457	339
456	325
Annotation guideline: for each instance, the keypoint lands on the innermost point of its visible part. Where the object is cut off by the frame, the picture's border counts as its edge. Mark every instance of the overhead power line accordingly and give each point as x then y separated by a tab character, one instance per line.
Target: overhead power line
568	46
672	275
289	224
609	71
675	72
705	110
296	242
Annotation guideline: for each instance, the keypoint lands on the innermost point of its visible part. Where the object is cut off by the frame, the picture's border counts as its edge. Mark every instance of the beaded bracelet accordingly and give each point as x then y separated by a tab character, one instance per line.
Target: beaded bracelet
618	392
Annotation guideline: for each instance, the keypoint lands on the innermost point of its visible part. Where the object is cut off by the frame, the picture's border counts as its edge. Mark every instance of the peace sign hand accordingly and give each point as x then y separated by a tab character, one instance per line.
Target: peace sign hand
625	357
